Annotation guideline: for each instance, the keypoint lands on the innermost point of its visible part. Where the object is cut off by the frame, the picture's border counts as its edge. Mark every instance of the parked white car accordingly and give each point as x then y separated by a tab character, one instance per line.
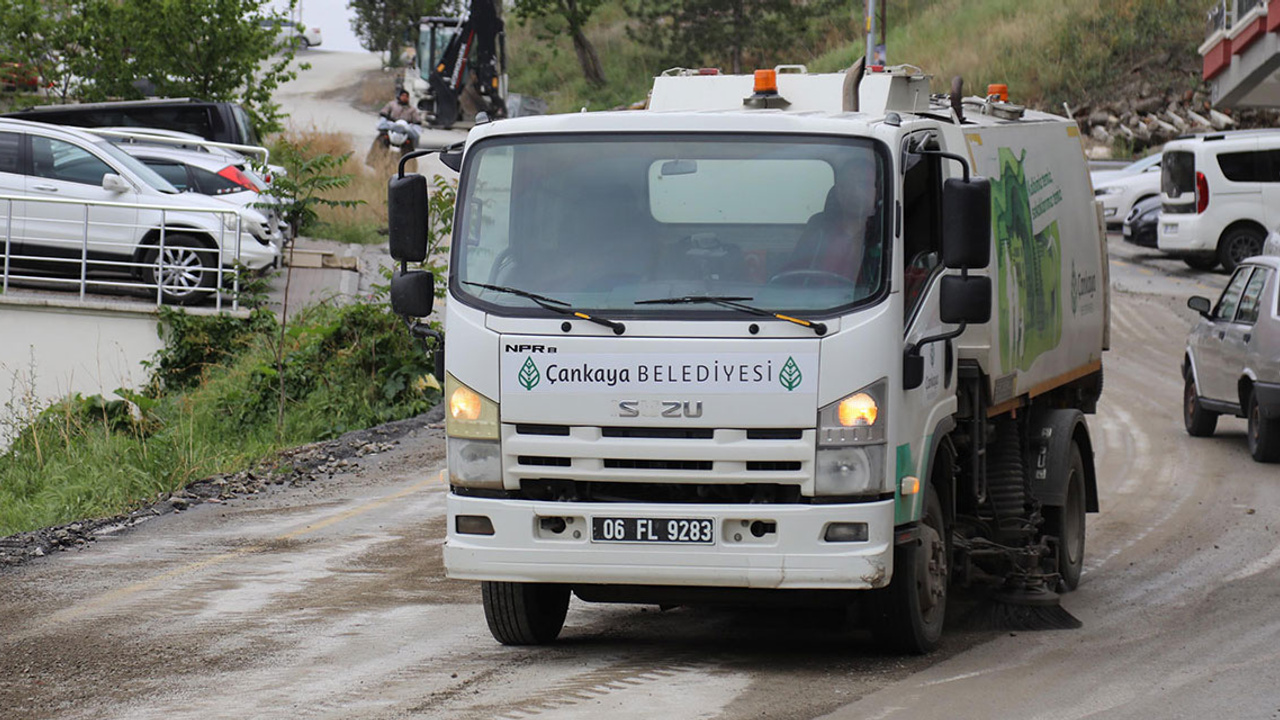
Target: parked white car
305	36
1120	190
1232	363
217	176
1220	193
129	212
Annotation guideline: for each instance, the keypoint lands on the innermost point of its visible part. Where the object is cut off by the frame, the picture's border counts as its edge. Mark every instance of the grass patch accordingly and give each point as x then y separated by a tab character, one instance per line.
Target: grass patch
364	222
1077	51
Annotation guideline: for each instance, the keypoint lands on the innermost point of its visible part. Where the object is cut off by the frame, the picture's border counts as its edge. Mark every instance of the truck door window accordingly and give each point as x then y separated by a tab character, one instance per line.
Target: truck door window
487	218
1230	299
921	227
1251	298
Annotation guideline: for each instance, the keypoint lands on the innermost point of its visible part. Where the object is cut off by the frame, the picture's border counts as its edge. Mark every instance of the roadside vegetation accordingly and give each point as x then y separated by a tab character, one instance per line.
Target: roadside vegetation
226	391
92	50
1075	51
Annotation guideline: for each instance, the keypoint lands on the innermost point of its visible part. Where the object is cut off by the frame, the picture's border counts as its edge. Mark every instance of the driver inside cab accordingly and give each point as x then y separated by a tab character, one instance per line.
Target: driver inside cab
841	242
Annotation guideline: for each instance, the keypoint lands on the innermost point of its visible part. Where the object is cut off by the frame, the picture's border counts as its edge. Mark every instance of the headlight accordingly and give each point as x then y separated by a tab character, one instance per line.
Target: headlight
856	419
475	463
468	414
1108	191
851	471
850	458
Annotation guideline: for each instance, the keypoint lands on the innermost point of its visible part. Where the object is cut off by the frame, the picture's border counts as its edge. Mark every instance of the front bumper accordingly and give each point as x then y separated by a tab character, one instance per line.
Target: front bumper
794	557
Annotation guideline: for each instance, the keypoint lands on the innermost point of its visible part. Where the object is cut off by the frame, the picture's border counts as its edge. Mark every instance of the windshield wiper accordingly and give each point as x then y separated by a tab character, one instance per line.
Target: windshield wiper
735	302
554	305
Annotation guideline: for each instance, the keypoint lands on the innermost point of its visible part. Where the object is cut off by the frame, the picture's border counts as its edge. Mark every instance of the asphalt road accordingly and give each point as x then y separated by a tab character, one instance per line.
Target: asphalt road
329	600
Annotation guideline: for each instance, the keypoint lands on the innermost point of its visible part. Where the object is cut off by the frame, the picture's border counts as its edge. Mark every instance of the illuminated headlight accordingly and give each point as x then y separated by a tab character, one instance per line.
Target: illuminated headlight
467	413
856	419
475	463
850	459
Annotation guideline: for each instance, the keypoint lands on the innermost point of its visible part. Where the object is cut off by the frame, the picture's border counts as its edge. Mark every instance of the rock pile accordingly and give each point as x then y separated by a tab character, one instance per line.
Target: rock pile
1149	118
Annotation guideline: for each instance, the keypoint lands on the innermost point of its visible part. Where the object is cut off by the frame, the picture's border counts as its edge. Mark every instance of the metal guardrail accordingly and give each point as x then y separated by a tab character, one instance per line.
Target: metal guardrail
1244	7
169	265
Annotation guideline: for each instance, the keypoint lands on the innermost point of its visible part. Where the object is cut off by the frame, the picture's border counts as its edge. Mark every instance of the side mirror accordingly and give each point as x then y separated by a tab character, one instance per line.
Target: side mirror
912	370
413	294
966	229
965	299
113	183
1201	305
407	218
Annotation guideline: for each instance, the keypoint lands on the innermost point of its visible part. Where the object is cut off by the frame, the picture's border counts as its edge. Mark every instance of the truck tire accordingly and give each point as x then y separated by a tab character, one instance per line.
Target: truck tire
524	613
914	606
1199	422
1264	434
1067	522
1238	244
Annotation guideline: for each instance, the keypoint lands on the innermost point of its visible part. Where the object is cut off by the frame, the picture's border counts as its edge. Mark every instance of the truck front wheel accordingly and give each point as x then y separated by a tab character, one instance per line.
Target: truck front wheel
913	607
524	613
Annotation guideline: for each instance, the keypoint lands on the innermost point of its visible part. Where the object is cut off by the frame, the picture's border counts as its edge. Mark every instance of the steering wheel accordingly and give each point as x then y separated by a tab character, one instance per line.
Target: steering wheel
803	278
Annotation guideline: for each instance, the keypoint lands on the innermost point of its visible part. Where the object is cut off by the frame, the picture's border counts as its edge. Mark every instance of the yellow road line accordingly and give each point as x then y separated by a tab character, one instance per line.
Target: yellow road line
112	596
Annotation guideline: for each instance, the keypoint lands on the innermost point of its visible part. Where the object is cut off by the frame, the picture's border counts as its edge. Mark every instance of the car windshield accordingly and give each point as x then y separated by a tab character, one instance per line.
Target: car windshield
149	176
603	222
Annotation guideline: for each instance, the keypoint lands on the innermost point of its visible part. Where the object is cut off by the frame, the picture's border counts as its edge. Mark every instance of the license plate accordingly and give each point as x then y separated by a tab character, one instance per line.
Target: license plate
690	531
1128	231
1170	229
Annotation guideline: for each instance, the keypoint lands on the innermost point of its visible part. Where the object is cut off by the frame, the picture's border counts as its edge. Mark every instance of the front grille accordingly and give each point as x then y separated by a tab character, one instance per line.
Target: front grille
555	490
557	430
659	456
544	461
638	464
663	433
776	466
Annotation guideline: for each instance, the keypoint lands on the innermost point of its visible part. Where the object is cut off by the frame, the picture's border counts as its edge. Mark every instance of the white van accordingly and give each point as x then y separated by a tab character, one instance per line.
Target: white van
1221	192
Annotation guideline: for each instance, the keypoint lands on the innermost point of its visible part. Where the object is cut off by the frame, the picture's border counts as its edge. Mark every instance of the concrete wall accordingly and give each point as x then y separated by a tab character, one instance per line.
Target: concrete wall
51	347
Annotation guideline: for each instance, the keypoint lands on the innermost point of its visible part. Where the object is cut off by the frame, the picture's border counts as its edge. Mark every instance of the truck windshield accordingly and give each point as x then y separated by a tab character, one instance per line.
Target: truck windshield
794	223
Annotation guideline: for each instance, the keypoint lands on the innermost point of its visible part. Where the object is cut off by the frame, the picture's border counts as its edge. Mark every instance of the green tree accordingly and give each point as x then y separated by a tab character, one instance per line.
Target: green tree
127	49
386	25
574	14
722	32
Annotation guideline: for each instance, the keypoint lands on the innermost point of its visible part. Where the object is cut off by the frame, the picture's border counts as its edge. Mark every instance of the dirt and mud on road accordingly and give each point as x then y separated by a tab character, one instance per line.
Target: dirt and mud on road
328	599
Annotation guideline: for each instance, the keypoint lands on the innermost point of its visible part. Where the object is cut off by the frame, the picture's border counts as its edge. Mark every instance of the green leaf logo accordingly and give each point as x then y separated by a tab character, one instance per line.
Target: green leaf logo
529	375
790	376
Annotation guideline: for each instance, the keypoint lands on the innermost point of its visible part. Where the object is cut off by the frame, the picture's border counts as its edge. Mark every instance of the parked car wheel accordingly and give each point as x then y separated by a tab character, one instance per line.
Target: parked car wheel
1238	244
1201	262
187	271
1264	434
1199	422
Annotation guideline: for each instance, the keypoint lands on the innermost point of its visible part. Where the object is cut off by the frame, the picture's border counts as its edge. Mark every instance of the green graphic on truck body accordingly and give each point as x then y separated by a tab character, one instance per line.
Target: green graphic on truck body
1029	294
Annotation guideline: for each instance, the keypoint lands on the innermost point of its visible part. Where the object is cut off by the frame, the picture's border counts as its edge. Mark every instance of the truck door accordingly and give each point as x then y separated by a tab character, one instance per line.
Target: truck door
919	266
